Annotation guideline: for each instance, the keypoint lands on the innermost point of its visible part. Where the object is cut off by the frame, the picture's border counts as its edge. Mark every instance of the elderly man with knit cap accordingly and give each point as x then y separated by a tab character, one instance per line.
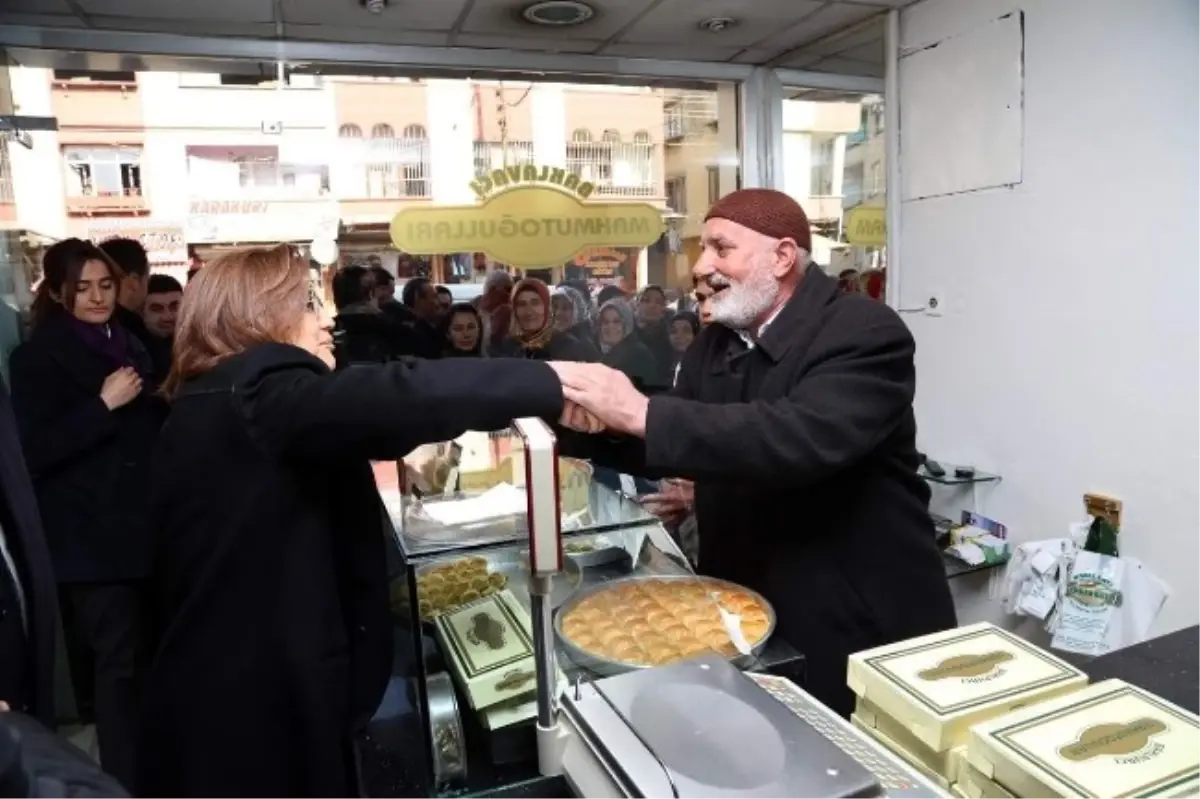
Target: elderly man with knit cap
793	416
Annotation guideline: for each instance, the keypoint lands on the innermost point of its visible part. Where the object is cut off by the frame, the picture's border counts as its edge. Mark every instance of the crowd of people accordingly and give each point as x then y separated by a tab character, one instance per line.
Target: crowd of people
638	335
185	476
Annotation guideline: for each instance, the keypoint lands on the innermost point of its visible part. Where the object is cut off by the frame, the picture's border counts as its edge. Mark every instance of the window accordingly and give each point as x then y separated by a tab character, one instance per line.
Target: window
581	136
611	136
415	132
383	131
103	171
641	137
714	184
823	149
677	194
94	76
350	132
876	178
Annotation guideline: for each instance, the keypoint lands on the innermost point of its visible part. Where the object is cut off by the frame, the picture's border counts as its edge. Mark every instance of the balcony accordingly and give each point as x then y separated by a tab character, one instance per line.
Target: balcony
616	169
491	155
91	201
382	168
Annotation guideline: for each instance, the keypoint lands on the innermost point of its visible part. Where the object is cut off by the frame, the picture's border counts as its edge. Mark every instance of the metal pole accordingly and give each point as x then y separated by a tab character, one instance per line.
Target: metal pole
891	147
543	647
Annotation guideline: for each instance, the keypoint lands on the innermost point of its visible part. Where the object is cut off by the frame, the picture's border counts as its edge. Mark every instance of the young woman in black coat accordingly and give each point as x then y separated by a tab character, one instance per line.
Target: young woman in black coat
88	423
622	349
462	332
274	641
532	332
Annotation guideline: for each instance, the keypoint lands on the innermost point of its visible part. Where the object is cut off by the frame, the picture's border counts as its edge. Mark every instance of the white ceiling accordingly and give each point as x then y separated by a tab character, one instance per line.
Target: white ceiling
835	36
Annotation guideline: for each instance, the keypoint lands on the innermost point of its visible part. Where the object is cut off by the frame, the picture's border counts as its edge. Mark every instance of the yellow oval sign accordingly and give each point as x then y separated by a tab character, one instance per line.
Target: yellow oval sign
527	227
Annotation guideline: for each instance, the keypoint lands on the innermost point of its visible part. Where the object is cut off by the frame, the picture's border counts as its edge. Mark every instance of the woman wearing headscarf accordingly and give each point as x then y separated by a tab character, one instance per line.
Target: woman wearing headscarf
572	314
683	329
532	333
462	332
623	350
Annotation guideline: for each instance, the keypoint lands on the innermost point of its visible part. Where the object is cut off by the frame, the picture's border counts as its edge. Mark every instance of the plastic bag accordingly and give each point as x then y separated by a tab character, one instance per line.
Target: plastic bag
1106	603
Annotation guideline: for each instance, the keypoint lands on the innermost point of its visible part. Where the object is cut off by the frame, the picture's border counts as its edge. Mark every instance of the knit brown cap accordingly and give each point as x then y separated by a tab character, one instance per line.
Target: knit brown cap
769	212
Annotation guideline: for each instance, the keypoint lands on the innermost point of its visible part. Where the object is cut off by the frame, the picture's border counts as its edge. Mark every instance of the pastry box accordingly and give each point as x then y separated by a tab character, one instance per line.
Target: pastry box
936	686
1111	739
489	646
944	764
977	786
894	747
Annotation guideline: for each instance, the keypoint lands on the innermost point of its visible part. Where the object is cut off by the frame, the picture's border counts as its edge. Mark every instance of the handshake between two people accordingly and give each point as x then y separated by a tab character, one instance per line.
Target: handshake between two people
598	398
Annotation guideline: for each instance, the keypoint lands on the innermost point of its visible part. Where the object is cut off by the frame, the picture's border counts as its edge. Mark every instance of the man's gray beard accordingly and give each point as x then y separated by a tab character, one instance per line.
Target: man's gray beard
739	305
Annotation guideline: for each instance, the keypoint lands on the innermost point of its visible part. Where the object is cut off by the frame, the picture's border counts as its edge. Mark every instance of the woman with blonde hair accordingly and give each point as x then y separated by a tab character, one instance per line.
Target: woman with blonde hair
274	643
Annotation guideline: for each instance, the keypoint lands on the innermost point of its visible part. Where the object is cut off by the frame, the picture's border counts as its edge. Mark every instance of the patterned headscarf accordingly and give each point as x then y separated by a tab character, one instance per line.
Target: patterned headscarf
539	338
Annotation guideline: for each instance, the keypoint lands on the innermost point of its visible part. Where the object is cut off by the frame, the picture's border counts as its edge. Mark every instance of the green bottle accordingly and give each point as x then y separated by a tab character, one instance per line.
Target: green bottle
1102	537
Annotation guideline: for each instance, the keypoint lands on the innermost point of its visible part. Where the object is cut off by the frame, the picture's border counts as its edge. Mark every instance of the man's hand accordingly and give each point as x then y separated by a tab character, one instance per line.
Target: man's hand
576	418
608	395
673	502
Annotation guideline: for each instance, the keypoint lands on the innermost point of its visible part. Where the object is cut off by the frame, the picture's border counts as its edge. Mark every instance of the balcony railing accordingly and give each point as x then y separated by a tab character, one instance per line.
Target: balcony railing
88	199
491	155
382	168
620	169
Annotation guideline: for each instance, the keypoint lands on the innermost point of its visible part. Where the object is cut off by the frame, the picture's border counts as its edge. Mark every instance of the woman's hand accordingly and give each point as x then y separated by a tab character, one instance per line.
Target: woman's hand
121	388
673	502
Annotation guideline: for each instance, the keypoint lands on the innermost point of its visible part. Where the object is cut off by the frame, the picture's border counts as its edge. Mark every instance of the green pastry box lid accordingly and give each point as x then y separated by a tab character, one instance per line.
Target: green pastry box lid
1110	739
489	646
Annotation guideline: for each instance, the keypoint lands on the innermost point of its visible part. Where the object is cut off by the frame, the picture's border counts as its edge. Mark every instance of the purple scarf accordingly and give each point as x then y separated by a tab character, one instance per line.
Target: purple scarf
111	341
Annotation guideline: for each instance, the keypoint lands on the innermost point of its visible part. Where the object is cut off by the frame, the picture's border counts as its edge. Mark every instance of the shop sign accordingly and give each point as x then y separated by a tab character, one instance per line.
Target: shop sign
867	226
533	218
165	244
225	207
602	262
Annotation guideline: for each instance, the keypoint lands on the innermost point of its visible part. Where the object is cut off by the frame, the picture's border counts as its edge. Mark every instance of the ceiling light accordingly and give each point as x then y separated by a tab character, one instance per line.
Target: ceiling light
558	12
718	24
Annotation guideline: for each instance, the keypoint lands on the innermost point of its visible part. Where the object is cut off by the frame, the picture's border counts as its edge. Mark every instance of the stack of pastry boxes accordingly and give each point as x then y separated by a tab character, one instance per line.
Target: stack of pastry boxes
488	643
1109	739
920	698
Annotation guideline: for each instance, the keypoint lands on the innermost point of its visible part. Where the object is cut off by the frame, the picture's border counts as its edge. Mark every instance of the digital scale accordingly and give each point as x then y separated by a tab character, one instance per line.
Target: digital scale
694	728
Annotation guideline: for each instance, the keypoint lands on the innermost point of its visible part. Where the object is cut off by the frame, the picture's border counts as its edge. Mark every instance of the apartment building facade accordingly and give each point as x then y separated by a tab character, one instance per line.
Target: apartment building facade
198	162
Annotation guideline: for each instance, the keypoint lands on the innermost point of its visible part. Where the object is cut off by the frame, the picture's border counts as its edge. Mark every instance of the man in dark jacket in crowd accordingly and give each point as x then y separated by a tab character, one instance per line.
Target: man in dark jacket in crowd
363	333
420	296
133	260
159	312
793	416
28	593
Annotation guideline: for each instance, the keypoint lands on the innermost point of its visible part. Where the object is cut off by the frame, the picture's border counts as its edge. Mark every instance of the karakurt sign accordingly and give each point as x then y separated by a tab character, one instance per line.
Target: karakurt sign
528	217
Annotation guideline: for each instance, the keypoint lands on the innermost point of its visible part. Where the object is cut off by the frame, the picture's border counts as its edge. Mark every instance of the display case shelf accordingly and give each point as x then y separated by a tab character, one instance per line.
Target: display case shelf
949	478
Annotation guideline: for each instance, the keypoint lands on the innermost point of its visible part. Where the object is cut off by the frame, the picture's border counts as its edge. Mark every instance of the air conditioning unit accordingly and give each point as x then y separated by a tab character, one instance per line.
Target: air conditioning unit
274	128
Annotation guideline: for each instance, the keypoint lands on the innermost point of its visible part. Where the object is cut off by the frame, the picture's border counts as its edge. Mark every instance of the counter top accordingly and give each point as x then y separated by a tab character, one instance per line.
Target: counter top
1168	666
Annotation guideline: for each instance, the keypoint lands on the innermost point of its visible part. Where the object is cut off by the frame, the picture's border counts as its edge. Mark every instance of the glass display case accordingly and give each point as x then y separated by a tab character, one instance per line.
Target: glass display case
450	723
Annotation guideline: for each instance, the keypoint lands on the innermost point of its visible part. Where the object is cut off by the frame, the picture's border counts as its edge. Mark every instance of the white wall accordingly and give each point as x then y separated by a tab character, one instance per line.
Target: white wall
37	173
1067	357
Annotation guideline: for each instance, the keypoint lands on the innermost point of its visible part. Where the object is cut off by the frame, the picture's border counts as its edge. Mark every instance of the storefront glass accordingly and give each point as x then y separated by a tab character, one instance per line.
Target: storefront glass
210	161
834	165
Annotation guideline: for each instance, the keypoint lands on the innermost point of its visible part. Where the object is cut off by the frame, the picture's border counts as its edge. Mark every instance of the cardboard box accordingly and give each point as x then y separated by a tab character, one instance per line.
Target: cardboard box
938	685
489	646
908	746
977	786
1111	739
893	747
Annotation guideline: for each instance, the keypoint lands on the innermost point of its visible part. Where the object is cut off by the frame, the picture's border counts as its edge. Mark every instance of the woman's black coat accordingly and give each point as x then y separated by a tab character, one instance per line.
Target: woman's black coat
274	643
634	358
560	347
90	466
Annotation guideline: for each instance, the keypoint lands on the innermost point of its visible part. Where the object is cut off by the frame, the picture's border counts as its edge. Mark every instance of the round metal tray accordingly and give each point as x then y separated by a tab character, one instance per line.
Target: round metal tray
447	741
607	666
